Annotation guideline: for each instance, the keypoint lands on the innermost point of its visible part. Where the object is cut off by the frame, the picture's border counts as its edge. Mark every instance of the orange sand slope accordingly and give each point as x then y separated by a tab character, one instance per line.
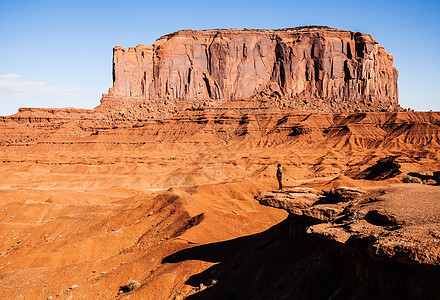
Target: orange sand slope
89	202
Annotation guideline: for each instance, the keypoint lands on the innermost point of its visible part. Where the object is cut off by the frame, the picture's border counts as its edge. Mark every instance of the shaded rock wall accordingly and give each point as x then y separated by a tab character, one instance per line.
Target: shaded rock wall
296	63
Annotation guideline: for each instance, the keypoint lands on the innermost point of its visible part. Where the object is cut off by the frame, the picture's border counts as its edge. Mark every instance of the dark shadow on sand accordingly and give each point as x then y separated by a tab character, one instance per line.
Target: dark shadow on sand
284	262
275	264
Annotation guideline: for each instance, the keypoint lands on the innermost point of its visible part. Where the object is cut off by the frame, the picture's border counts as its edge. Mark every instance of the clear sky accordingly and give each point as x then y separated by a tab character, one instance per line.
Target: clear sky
59	53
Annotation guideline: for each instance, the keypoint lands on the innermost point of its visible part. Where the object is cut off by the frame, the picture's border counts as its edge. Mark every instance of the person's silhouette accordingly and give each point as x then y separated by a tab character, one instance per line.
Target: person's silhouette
280	176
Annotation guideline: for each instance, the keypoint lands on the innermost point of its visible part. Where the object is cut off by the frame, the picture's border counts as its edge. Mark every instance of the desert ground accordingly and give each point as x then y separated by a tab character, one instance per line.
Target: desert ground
85	209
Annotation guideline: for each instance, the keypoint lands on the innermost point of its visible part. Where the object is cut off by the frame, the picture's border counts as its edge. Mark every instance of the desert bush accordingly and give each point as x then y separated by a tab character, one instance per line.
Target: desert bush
132	285
411	179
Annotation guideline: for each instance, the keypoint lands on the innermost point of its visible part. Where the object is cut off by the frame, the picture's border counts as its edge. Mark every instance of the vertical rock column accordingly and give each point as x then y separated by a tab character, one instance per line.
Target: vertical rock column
132	72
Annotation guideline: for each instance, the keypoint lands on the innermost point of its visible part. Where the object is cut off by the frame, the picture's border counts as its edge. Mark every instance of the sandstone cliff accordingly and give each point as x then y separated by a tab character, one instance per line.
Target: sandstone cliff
295	64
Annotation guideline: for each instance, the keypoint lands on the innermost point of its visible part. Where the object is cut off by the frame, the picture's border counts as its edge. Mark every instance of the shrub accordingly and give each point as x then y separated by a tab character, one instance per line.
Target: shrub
411	179
132	285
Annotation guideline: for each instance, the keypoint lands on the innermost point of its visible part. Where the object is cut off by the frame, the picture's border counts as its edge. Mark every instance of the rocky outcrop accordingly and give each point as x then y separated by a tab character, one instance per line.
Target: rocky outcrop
396	223
295	64
383	242
427	176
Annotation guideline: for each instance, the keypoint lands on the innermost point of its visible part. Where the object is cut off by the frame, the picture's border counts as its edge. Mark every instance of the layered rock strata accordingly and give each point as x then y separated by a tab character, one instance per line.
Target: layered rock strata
403	131
295	64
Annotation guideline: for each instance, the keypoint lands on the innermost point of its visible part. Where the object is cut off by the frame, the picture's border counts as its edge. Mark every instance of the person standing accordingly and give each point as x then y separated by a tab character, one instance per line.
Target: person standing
280	176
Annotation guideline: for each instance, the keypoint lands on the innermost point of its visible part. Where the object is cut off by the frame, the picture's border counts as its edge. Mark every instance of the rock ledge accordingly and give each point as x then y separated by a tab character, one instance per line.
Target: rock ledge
399	222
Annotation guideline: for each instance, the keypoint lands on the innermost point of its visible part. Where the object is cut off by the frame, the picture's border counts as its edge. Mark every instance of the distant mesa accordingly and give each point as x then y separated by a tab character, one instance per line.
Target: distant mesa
326	66
313	68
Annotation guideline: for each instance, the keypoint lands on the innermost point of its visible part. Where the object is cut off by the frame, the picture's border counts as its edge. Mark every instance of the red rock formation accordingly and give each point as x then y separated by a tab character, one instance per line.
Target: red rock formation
398	221
311	62
390	230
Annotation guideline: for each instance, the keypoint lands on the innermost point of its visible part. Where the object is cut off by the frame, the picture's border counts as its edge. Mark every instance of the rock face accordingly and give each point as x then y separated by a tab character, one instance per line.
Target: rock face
312	62
385	240
398	223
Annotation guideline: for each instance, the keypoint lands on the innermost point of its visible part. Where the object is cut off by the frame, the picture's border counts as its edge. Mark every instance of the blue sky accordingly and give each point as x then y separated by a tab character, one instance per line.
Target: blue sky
59	53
